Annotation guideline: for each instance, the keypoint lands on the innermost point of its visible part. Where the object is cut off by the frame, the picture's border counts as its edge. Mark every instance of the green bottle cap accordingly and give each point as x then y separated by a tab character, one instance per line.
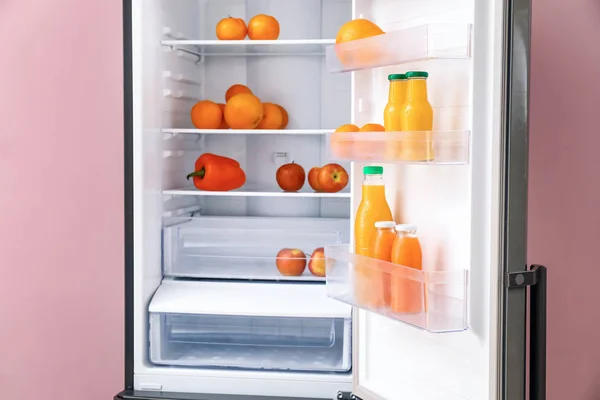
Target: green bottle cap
396	77
417	74
373	170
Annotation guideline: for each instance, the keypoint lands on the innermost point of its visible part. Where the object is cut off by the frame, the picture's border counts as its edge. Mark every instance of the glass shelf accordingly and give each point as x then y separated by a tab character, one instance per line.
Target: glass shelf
309	47
253	190
249	132
435	41
423	147
434	301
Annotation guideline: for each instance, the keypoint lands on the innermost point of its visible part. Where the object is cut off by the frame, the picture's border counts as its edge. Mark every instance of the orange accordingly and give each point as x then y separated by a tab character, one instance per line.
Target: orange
223	123
272	117
341	148
348	128
243	111
370	149
372	128
357	29
285	117
357	57
206	115
263	27
236	89
231	29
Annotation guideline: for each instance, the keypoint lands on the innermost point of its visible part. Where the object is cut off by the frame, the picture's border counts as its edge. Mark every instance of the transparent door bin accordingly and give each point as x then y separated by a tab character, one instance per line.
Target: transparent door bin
420	147
435	41
231	248
272	343
433	301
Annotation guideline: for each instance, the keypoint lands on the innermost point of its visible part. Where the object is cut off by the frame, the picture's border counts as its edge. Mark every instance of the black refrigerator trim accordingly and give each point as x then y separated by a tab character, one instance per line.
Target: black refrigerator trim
536	280
145	395
128	163
537	334
512	326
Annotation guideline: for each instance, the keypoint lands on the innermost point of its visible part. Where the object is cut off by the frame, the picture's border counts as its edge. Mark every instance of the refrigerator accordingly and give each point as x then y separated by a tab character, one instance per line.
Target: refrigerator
208	315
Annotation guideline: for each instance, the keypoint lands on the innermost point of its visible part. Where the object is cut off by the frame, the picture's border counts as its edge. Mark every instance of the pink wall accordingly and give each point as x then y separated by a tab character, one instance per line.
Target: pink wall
564	195
61	166
61	182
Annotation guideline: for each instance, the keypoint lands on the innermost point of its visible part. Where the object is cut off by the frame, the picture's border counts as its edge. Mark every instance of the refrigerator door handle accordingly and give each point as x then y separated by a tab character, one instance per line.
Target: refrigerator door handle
536	279
537	335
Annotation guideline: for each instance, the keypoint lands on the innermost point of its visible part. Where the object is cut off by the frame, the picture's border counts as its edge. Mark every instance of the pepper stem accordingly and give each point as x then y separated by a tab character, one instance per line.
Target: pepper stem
200	174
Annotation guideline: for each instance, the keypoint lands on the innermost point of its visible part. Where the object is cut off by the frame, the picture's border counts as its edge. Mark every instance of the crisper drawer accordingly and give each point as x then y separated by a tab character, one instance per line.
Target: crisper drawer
247	248
201	324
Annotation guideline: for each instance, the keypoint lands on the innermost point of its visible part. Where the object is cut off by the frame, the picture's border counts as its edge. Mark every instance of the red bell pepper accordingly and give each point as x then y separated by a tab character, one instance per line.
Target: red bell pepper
217	173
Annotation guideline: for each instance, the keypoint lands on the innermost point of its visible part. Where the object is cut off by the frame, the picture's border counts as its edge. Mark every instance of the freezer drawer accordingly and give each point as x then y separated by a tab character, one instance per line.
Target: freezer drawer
253	326
244	247
273	343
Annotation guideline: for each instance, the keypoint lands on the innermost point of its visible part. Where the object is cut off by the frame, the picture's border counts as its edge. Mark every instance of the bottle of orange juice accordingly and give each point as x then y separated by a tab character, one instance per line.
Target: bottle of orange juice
392	115
416	119
373	207
407	295
382	250
372	283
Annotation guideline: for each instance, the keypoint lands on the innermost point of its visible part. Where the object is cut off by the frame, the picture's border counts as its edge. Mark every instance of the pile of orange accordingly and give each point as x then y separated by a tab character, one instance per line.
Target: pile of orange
241	110
260	27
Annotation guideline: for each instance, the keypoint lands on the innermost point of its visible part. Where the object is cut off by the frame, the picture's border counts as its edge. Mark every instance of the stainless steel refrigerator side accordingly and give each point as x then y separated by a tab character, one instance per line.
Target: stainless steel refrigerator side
128	201
513	255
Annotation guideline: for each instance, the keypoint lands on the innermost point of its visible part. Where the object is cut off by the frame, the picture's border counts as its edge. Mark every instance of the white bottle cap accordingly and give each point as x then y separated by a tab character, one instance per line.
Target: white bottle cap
406	228
385	224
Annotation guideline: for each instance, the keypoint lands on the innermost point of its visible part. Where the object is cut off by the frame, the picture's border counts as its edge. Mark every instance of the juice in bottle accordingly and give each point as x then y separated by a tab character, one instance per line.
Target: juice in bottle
372	283
392	115
373	207
406	294
416	120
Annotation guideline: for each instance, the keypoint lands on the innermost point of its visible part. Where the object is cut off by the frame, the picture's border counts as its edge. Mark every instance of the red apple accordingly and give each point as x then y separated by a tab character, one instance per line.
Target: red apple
290	177
316	265
333	178
313	179
291	262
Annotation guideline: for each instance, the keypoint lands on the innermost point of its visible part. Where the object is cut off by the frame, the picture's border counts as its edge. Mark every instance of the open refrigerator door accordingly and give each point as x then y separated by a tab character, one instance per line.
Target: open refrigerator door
451	348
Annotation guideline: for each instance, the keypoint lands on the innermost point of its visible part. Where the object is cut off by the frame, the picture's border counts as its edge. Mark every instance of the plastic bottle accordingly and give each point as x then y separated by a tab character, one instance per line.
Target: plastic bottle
373	207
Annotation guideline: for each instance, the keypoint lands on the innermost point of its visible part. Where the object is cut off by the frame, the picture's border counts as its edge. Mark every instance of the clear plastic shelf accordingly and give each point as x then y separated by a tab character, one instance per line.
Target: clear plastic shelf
434	41
422	147
243	248
435	301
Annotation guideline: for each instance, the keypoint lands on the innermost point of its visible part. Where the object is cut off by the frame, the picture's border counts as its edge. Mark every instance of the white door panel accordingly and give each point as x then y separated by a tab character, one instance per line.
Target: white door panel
454	207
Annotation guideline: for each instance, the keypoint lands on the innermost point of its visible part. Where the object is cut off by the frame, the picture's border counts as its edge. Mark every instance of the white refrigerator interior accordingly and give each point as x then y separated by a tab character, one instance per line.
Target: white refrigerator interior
212	313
